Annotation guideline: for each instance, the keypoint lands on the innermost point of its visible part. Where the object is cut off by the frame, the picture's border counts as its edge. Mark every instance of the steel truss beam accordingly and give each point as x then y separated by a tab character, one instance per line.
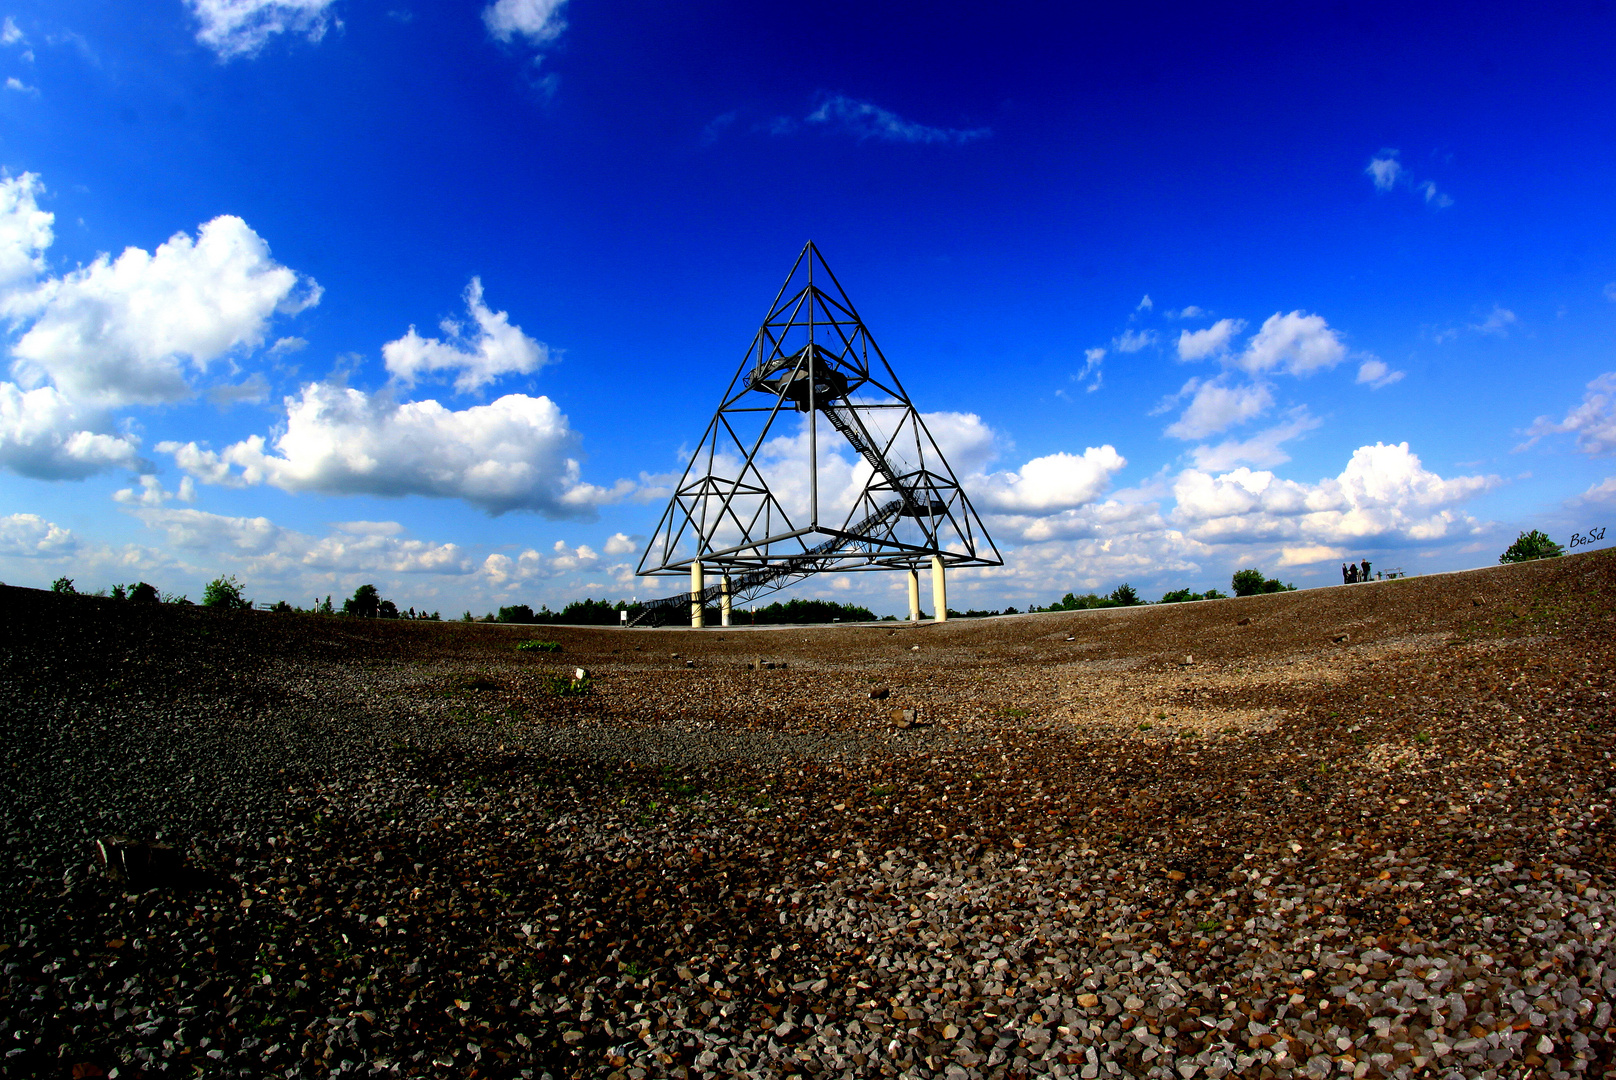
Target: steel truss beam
813	361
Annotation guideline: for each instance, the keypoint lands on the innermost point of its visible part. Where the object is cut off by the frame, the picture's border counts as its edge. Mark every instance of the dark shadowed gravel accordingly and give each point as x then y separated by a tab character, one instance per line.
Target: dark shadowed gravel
1364	832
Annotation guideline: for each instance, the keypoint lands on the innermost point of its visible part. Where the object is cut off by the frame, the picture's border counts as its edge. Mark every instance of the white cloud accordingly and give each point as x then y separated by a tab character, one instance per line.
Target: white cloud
539	21
1602	492
1498	321
1383	493
1262	449
1217	406
14	83
10	32
1384	169
1377	373
1309	554
234	28
1146	304
268	548
511	454
1055	482
498	349
1132	341
1213	341
287	345
48	437
152	492
1593	421
1388	173
25	230
1092	359
121	331
31	536
867	121
1296	343
1189	311
621	544
1435	197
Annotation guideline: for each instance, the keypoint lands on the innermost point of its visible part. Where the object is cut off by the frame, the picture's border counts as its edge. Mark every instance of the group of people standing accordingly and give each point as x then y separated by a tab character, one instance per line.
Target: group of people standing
1351	574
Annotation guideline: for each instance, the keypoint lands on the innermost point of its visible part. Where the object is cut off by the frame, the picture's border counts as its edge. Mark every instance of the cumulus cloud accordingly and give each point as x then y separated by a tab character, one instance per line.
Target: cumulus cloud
152	493
128	330
1602	492
15	84
1213	341
1387	173
31	536
539	22
233	28
1384	169
511	454
1376	373
1593	421
1215	406
1498	321
497	349
25	229
1298	344
1264	449
268	548
1132	341
45	436
863	120
621	544
1146	304
1384	493
1090	372
1055	482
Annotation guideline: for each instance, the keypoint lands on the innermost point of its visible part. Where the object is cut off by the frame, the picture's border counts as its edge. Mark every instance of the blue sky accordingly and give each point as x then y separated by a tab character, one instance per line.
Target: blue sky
320	292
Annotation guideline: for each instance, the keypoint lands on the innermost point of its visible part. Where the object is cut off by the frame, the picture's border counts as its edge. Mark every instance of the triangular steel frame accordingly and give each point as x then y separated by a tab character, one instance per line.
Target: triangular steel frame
813	356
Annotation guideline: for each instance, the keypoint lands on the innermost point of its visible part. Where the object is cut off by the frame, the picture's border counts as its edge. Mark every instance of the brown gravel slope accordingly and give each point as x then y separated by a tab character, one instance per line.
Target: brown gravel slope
1364	832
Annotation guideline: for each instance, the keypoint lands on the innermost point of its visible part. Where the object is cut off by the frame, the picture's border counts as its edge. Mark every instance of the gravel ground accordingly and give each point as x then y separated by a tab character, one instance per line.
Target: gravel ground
1359	831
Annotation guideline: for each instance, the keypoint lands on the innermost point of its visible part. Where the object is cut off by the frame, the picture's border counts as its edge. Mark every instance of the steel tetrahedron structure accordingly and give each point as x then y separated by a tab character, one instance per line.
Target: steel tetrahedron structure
768	498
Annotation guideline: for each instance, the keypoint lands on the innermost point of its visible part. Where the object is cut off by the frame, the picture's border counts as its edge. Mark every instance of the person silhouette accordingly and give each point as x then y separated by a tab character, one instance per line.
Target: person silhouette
1365	575
1345	580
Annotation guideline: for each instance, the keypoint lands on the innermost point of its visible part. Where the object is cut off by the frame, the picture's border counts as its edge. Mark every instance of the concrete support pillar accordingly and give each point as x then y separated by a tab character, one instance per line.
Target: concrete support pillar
914	595
939	590
695	594
724	601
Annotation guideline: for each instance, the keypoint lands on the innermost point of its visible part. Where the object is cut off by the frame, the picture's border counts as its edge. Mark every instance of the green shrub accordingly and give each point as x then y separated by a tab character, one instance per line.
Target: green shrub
562	686
1125	595
63	585
365	603
1529	546
1251	582
224	592
536	645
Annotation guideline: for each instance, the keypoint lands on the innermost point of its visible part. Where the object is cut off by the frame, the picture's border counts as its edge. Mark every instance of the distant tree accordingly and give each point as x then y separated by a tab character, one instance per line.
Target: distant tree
1247	582
1179	596
1125	595
224	592
283	607
325	607
118	593
467	617
1529	546
811	611
1072	602
364	603
142	593
1213	594
387	610
516	613
63	585
1275	585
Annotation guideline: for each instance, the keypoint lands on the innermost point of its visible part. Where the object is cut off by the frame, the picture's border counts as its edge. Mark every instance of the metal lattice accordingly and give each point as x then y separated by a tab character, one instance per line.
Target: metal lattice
813	360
